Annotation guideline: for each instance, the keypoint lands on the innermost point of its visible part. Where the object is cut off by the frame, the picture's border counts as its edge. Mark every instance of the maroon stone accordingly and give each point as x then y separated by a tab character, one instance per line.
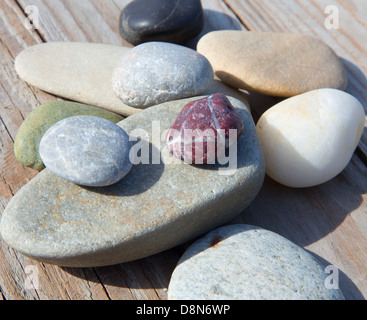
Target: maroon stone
202	131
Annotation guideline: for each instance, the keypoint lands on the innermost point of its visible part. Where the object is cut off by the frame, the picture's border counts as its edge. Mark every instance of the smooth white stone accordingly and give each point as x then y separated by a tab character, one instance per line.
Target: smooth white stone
309	139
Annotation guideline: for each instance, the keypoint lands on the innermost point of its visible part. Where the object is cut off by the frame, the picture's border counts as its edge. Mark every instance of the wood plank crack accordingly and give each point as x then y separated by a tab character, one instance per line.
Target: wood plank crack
102	284
36	31
228	5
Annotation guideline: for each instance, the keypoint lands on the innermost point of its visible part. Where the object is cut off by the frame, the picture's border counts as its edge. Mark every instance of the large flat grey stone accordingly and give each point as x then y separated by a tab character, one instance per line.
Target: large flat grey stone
243	262
154	208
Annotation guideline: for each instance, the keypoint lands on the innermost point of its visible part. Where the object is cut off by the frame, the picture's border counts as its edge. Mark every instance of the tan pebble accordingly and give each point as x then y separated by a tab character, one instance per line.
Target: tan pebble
277	64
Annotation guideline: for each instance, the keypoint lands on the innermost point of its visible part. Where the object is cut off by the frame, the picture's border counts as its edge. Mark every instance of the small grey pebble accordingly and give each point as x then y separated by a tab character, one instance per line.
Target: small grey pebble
87	150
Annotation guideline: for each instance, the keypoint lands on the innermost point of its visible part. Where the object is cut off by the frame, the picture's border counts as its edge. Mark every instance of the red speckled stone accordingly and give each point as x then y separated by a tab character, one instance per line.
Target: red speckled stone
203	128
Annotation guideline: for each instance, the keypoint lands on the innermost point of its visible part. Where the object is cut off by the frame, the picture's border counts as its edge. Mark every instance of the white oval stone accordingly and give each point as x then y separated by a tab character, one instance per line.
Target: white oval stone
309	139
243	262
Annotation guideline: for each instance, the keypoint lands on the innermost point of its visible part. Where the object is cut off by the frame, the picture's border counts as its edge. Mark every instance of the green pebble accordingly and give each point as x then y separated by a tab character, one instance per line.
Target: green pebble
30	133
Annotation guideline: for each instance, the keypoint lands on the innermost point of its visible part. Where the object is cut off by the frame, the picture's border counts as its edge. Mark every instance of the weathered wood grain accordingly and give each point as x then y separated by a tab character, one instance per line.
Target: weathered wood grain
357	9
82	21
17	99
330	220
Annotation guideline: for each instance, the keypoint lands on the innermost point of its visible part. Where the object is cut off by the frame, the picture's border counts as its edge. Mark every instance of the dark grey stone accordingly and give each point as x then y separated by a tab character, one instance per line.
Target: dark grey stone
175	21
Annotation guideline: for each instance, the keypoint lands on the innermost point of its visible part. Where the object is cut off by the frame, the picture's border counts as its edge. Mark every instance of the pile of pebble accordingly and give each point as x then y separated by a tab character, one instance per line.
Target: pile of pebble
100	203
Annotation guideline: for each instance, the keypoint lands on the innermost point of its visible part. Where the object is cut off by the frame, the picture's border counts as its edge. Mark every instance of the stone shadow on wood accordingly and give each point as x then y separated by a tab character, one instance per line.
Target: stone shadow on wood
211	15
153	272
261	103
305	215
355	75
345	284
357	87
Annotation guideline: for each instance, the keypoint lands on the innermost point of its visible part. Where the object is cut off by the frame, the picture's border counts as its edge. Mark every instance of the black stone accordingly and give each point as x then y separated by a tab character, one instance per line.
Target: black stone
175	21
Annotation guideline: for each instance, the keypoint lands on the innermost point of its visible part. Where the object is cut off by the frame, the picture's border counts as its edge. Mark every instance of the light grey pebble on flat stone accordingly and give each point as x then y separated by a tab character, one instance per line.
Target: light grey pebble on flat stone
243	262
86	150
157	72
157	206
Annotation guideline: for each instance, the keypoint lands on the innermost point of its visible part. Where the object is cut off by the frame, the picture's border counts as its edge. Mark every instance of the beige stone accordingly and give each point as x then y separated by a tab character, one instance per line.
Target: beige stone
277	64
80	72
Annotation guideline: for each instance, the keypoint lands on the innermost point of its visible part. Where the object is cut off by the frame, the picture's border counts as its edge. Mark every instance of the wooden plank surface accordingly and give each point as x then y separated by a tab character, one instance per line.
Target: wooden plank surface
330	221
